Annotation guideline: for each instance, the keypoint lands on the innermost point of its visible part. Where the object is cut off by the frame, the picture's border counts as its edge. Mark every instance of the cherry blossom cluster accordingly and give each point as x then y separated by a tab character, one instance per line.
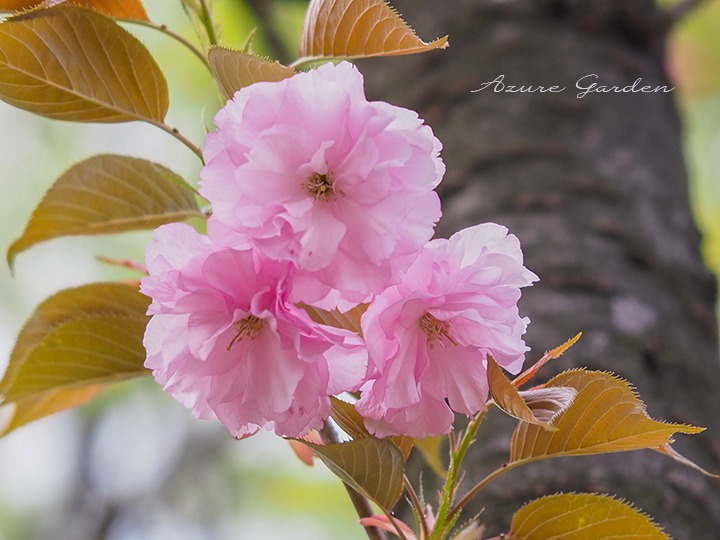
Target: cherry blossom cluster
322	198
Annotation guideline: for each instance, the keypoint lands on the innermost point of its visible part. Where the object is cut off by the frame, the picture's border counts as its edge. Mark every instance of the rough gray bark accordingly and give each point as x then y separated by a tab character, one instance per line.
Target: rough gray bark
596	190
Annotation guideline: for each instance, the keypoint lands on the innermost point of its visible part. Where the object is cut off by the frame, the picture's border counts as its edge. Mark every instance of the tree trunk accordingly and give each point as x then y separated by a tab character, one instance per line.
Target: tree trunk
596	190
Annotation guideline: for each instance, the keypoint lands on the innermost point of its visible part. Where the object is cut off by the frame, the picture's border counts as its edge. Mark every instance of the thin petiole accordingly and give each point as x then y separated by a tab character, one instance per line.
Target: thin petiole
451	481
179	136
455	512
177	37
417	505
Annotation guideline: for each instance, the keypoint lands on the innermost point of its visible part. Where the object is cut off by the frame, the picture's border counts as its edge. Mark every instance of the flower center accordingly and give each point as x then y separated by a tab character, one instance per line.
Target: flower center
248	327
436	329
322	187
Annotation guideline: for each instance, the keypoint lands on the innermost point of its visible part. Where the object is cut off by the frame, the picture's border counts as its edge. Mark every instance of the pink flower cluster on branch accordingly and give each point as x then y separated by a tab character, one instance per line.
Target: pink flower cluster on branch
323	198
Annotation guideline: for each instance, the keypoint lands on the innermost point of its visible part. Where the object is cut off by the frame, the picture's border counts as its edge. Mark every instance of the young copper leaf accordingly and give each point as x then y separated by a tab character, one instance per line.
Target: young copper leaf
21	412
529	373
234	70
580	516
123	9
107	194
359	28
350	320
373	467
507	398
70	63
605	416
77	338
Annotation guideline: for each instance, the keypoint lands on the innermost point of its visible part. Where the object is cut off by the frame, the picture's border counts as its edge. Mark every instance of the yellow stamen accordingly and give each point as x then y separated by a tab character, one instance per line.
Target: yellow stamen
248	327
322	187
434	327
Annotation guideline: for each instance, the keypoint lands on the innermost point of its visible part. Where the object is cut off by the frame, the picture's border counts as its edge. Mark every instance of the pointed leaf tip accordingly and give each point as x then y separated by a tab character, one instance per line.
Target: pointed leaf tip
605	416
359	28
107	194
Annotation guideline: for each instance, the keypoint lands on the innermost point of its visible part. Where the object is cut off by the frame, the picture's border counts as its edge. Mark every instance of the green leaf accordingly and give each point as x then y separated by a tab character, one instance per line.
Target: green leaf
234	70
77	338
357	29
580	517
27	410
605	416
373	467
107	194
71	63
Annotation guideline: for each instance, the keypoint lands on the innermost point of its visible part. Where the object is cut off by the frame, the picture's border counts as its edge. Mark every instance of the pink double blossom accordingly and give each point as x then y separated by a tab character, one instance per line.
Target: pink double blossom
307	170
225	341
429	337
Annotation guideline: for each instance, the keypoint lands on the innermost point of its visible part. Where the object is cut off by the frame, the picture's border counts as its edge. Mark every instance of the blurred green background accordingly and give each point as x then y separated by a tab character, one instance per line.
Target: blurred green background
134	464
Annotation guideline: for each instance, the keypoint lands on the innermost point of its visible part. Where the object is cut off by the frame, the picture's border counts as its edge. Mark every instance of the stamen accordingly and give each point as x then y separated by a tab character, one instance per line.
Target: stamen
434	327
322	187
248	327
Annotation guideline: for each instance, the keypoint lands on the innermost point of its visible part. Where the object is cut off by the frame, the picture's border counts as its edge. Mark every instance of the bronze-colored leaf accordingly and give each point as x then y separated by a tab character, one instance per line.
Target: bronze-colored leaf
107	194
373	467
71	63
32	408
122	9
359	28
507	398
605	416
580	516
77	338
234	70
350	320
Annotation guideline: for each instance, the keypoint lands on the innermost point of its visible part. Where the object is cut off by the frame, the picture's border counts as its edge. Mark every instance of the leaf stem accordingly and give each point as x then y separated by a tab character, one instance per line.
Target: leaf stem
177	37
444	521
417	505
179	136
360	503
206	19
455	512
308	60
